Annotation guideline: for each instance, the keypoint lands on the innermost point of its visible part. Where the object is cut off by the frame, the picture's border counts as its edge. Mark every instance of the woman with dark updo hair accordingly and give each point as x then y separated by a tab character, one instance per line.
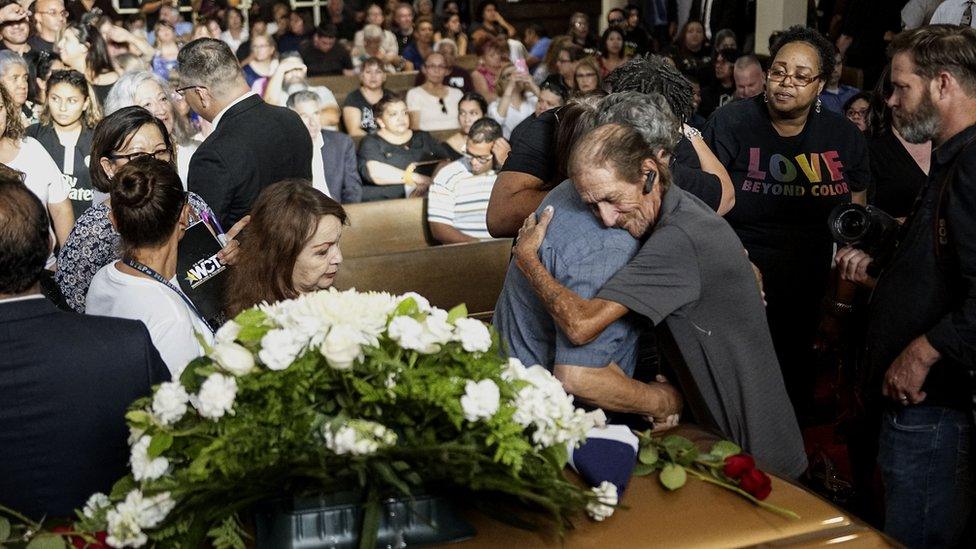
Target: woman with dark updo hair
150	212
284	256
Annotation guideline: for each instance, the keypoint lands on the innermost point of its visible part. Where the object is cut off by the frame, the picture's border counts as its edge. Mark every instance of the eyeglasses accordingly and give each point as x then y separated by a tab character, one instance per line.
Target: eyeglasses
54	13
860	113
182	91
443	105
161	154
799	80
615	21
483	159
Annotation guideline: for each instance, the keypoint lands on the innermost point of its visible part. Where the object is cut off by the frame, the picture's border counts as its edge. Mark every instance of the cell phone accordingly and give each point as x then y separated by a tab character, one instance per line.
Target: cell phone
521	66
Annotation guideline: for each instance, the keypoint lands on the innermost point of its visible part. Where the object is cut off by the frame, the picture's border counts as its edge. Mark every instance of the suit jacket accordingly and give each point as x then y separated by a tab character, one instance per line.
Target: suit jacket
253	146
66	381
341	167
726	14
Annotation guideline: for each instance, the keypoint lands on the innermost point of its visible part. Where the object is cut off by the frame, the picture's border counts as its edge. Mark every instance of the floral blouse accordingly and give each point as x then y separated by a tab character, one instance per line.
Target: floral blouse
92	244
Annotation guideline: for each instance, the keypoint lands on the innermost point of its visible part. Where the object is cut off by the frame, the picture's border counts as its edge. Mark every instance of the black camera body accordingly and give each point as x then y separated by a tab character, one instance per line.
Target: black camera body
866	228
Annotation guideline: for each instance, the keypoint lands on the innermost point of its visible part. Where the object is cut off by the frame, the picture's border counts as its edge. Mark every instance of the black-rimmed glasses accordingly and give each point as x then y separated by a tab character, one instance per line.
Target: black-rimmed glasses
182	91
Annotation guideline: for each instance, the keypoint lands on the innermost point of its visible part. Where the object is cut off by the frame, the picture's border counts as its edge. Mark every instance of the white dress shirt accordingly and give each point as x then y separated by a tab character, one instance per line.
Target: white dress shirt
220	114
318	166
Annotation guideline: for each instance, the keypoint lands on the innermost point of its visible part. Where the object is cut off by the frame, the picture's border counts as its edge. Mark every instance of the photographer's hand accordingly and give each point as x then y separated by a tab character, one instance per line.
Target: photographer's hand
904	378
852	265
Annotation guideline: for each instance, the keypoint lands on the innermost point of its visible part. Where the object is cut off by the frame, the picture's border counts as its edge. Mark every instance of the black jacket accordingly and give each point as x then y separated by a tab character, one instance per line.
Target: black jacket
66	381
253	146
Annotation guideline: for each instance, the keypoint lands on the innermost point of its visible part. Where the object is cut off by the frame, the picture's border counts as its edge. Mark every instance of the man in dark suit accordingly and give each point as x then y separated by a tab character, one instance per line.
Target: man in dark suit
334	163
716	15
252	145
66	379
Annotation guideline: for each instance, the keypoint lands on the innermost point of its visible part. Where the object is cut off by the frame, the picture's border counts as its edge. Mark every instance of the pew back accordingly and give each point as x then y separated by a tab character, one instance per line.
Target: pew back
386	226
470	273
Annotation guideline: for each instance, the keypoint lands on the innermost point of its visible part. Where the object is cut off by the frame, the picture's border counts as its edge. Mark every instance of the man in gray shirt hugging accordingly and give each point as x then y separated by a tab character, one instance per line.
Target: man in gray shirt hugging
690	278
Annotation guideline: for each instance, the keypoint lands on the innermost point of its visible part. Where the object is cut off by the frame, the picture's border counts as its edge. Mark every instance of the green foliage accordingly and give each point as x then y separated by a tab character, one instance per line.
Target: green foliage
228	534
673	476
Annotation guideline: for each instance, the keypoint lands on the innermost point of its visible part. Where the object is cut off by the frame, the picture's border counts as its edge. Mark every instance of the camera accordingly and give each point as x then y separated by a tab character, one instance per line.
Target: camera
866	228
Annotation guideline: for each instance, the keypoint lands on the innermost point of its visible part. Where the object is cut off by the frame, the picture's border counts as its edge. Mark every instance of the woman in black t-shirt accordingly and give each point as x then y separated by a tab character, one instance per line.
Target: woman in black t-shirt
692	53
357	109
791	162
388	158
65	131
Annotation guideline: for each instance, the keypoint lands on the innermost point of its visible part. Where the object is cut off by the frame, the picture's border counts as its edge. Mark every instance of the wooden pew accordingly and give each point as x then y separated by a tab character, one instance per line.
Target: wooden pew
472	274
341	86
385	227
467	62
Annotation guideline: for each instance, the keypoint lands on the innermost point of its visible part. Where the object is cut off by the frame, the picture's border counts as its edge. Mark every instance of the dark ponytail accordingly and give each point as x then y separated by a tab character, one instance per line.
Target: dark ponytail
147	200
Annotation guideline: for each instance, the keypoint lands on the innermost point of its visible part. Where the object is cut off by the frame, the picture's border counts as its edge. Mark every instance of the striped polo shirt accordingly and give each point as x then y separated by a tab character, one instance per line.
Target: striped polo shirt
460	199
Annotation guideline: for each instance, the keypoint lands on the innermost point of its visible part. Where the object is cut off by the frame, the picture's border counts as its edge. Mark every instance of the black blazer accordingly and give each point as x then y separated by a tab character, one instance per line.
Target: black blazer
726	14
253	146
341	168
66	381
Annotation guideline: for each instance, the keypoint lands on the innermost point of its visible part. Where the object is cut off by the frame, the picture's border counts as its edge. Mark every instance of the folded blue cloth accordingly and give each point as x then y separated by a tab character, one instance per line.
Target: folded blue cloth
609	453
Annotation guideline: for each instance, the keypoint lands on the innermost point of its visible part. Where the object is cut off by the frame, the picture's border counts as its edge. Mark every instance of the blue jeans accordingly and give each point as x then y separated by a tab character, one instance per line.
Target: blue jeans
924	457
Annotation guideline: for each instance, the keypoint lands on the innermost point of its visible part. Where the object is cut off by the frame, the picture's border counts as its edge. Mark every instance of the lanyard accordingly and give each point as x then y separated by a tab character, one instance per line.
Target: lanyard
159	278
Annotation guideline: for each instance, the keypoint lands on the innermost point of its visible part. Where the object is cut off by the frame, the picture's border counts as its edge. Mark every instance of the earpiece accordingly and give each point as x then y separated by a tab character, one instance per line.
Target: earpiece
649	182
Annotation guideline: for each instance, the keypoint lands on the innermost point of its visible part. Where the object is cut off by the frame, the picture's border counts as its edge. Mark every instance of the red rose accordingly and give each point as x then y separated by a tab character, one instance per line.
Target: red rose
756	483
738	465
80	542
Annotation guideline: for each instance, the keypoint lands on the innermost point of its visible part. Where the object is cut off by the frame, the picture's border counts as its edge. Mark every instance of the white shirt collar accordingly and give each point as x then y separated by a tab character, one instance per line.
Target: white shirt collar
220	114
21	298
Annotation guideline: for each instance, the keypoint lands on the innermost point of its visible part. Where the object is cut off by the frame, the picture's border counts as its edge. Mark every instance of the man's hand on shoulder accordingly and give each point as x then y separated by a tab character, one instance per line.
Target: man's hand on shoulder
530	238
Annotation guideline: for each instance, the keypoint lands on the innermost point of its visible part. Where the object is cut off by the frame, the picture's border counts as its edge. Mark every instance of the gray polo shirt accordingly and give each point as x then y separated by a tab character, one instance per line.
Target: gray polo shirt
692	276
582	255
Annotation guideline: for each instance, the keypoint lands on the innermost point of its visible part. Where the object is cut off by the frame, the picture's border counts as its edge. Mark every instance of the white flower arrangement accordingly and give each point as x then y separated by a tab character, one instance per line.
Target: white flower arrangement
357	372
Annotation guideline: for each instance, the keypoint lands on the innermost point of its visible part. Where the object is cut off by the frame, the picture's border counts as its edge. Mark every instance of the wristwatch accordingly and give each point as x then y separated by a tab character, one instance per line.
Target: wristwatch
691	133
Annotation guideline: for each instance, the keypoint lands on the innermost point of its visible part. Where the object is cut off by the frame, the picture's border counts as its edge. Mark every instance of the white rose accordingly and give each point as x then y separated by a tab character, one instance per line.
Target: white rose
480	399
228	332
216	396
473	335
606	498
95	504
598	417
409	334
169	402
279	348
144	467
233	358
341	347
153	510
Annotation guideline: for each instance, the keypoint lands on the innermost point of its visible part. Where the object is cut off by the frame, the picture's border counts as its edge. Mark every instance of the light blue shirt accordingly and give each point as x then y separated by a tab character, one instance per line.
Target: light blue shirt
951	12
582	255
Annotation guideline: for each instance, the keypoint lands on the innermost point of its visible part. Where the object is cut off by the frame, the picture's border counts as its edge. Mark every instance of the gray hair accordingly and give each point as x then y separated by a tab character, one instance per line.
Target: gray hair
746	61
439	45
209	63
123	93
10	58
648	113
302	97
372	32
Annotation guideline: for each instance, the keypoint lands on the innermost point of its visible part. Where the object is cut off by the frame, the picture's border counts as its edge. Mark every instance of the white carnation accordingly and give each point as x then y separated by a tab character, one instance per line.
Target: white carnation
97	503
169	402
228	332
233	357
341	347
545	409
480	399
437	330
606	499
279	348
137	512
216	396
144	467
473	335
422	304
410	335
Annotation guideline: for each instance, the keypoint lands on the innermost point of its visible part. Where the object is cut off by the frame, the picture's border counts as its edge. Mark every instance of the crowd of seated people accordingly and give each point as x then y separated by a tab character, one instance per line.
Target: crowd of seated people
658	173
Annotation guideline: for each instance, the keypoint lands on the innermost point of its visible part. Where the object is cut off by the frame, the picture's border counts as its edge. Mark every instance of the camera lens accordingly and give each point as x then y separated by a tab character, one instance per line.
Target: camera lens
852	224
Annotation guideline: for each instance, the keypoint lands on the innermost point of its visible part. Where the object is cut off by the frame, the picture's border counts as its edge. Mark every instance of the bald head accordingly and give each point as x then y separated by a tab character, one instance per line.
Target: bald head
749	77
25	241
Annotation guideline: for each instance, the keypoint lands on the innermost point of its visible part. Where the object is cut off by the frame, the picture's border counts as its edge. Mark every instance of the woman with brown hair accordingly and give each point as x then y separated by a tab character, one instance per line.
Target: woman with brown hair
284	256
493	56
